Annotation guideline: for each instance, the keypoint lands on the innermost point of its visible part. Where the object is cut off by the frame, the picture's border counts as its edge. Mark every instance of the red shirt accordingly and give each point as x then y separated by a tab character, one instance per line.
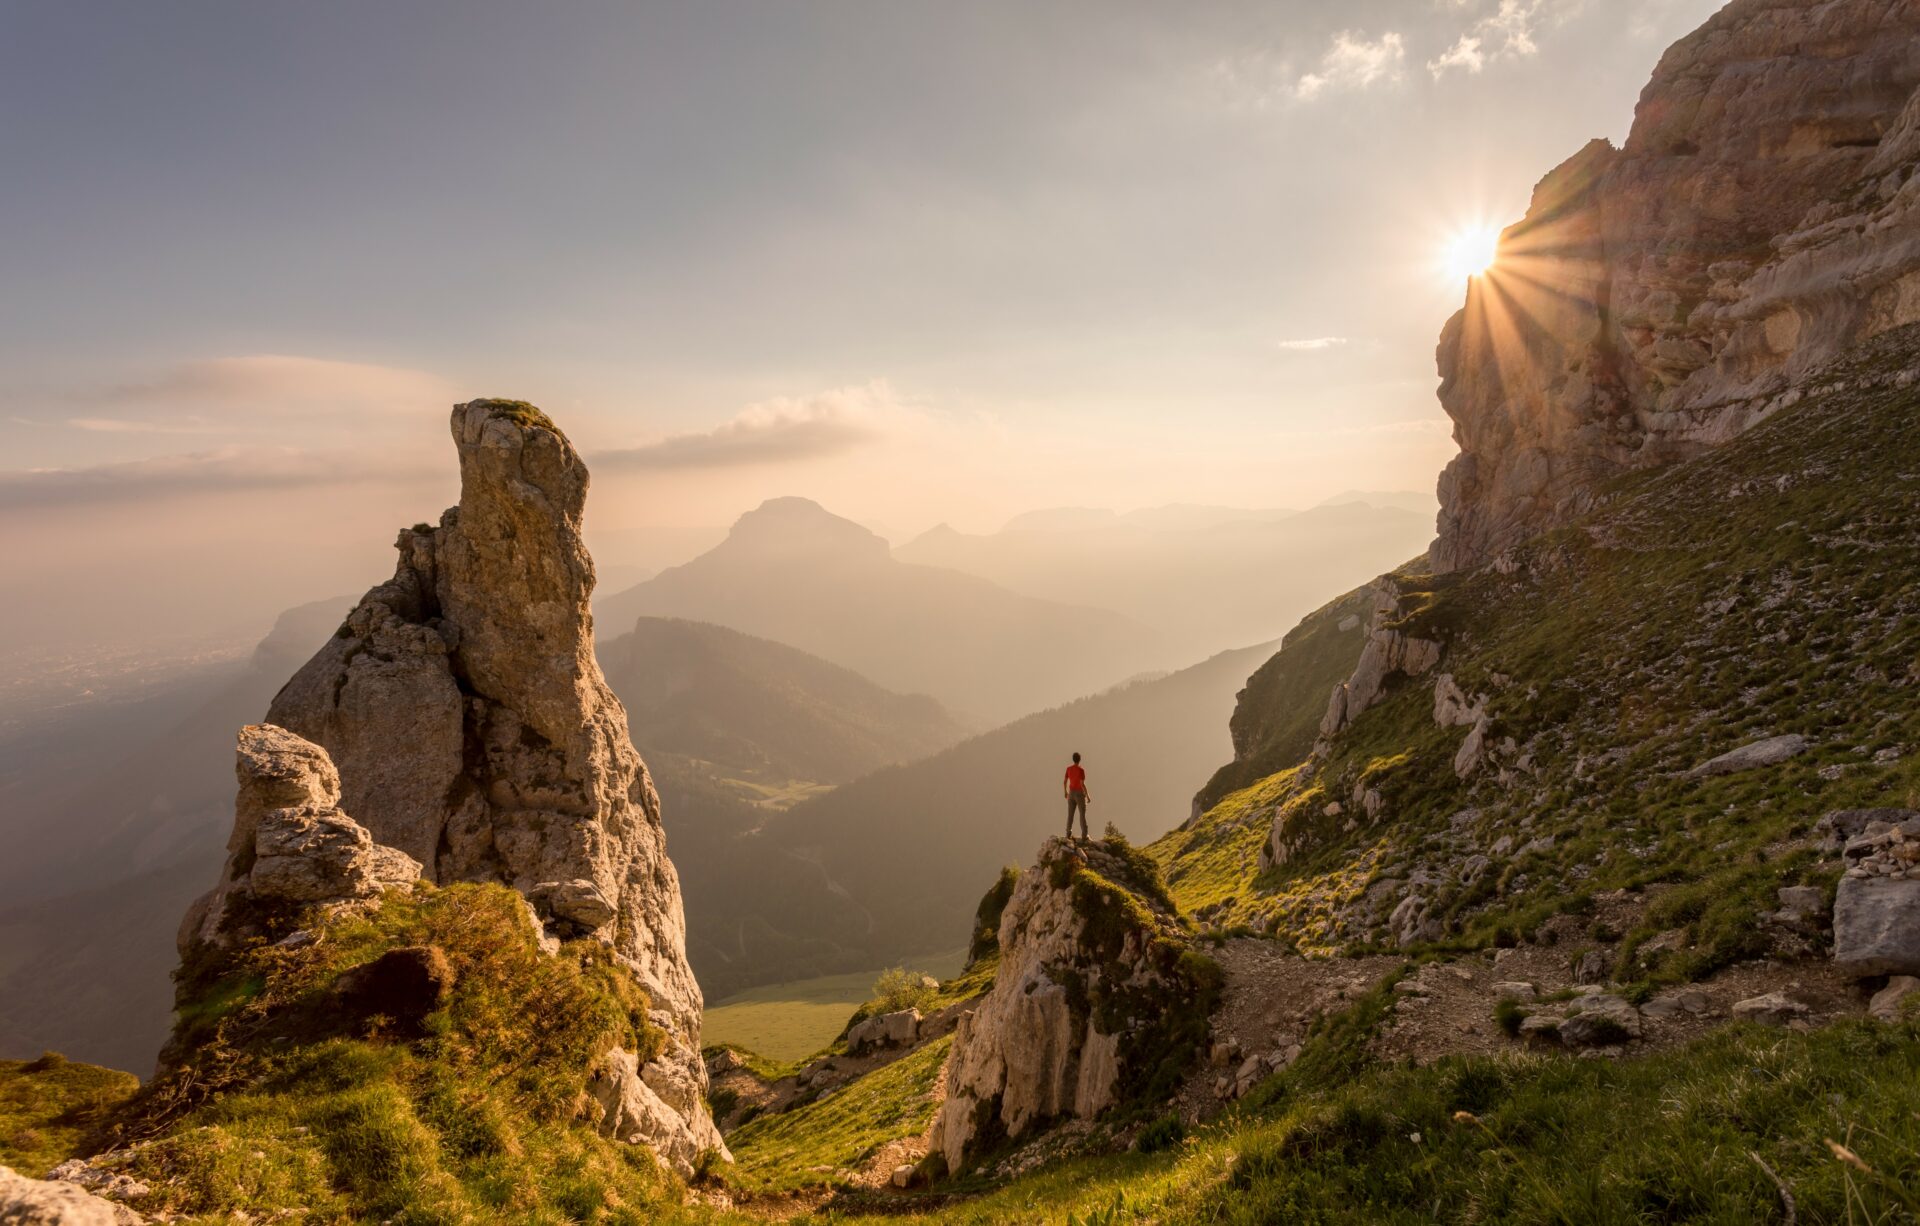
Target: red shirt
1076	778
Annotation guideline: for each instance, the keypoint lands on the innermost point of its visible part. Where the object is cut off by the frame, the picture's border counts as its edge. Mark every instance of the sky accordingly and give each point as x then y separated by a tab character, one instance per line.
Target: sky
922	262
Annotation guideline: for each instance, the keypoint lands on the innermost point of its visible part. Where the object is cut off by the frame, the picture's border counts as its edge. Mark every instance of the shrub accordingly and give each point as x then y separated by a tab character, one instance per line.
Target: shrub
1164	1133
986	918
1508	1014
898	988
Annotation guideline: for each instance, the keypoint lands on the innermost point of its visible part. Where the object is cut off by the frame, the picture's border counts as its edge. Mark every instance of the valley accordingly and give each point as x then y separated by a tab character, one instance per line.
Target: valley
1546	854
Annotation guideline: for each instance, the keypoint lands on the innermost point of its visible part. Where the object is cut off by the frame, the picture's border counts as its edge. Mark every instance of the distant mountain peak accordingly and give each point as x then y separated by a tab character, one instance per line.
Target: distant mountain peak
800	526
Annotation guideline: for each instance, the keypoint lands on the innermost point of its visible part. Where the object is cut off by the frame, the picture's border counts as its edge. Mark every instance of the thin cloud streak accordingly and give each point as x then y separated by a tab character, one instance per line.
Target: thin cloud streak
223	470
1317	344
776	431
273	384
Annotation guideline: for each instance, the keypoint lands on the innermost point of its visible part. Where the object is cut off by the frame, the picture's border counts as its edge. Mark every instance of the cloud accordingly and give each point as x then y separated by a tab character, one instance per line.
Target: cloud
1317	344
194	397
1505	33
221	470
777	431
1464	54
1353	62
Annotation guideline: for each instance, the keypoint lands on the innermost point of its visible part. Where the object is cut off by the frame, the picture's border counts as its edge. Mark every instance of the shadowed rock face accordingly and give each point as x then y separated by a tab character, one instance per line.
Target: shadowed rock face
1660	298
471	727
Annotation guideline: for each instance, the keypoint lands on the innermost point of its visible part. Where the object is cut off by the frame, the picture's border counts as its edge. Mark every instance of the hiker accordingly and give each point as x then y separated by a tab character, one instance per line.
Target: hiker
1075	785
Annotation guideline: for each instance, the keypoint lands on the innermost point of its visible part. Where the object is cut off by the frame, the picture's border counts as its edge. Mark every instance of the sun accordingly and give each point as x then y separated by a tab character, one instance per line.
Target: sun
1470	252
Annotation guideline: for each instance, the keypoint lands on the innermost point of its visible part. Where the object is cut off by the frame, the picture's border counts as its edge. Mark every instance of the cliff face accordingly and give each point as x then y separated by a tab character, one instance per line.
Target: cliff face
1661	298
472	731
1098	1000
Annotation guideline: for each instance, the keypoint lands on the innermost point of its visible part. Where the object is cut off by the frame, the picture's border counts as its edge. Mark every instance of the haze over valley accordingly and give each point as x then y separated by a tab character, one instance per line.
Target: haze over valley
1052	613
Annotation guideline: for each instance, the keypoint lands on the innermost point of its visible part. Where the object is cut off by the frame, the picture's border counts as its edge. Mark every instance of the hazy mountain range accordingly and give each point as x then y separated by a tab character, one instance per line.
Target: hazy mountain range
892	864
793	572
1206	578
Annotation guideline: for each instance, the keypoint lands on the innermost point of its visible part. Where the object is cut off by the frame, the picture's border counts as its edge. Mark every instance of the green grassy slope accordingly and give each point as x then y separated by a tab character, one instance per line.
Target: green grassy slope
1708	1133
817	1144
791	1021
285	1100
50	1105
1761	589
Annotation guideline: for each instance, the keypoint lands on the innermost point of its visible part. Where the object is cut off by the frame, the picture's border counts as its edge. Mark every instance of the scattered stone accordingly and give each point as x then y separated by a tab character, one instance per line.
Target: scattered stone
99	1180
1773	1009
1769	752
1539	1026
1690	1001
53	1202
903	1175
1803	907
1890	1002
1600	1021
1593	967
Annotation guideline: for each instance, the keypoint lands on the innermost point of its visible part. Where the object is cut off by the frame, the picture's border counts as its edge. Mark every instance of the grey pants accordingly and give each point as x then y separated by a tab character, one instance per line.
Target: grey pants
1077	803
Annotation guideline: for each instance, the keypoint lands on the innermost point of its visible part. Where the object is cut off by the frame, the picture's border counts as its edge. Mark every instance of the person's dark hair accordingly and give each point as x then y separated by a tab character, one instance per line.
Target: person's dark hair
1076	757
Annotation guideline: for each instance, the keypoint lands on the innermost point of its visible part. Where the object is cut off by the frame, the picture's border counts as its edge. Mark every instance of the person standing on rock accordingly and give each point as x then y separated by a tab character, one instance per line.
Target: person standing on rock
1075	785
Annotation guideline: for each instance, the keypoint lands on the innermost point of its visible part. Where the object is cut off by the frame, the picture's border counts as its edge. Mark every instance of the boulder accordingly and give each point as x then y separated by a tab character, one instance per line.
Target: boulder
1601	1020
1876	927
1514	990
1769	752
1890	1003
1839	827
1690	1001
1773	1009
897	1029
579	903
50	1202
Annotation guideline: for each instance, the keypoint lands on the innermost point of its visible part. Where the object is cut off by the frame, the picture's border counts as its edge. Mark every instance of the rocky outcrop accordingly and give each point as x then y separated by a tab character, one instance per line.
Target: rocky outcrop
1876	911
53	1202
472	730
1770	751
1095	990
1387	651
291	843
1660	298
897	1029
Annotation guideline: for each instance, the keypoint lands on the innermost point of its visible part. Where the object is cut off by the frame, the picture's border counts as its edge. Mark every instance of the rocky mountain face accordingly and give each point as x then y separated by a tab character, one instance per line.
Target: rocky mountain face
473	736
1660	298
1097	1000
